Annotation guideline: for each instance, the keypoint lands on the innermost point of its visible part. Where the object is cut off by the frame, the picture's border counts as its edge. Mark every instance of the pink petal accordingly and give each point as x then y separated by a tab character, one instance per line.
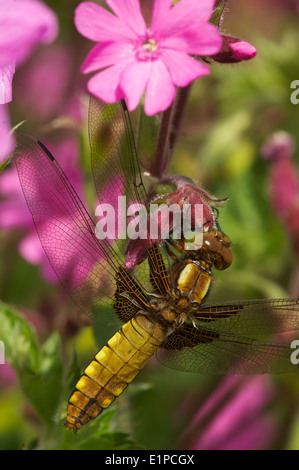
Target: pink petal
41	92
280	145
255	393
98	24
23	24
183	68
105	84
160	9
243	50
30	248
258	434
67	151
48	272
13	209
183	14
8	376
105	54
199	39
133	82
6	76
6	141
128	11
283	175
9	184
14	215
160	90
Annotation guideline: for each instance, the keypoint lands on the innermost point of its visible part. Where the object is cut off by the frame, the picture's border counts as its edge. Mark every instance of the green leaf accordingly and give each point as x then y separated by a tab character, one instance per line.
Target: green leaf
21	349
217	14
294	434
5	163
39	369
72	374
43	388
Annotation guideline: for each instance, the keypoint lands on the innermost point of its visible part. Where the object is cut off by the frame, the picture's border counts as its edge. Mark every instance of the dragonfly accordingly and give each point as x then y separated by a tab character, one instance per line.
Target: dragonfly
159	306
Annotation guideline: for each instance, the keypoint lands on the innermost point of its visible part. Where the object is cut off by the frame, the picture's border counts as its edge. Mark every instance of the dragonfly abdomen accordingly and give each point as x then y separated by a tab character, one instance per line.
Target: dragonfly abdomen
113	368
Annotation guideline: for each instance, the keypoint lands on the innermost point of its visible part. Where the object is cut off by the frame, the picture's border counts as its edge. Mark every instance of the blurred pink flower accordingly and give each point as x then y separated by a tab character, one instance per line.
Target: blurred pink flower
8	376
6	76
284	182
235	417
6	142
23	24
154	59
14	213
40	93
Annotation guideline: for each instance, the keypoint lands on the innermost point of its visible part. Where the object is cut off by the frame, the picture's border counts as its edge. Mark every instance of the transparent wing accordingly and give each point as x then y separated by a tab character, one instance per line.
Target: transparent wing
220	342
251	317
114	159
117	176
220	353
86	266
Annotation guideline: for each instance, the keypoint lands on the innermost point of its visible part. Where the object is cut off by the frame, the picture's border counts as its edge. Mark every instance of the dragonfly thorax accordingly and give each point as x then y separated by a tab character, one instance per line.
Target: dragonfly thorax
192	279
171	311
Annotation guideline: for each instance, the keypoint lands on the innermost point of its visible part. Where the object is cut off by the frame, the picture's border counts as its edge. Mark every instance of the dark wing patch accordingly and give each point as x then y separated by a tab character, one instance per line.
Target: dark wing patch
129	296
159	274
187	337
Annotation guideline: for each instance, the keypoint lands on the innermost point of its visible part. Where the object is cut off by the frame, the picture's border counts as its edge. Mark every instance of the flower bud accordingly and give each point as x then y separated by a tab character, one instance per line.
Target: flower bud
278	146
234	50
186	195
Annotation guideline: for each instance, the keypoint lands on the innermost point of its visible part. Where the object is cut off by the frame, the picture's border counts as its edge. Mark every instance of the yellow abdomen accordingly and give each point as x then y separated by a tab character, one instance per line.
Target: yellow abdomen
113	368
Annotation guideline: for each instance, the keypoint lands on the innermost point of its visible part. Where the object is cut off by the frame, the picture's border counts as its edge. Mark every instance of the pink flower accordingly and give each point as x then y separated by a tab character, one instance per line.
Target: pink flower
6	142
154	59
23	24
6	76
234	417
41	94
8	376
284	182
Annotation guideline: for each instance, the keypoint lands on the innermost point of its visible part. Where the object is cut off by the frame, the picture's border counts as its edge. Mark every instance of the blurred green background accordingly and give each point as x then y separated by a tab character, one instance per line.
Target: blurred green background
229	116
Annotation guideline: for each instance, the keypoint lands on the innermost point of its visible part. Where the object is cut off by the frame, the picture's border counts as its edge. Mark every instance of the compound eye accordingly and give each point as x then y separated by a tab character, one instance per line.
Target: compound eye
227	255
210	242
224	260
226	241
